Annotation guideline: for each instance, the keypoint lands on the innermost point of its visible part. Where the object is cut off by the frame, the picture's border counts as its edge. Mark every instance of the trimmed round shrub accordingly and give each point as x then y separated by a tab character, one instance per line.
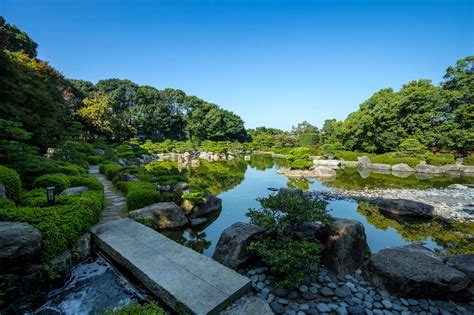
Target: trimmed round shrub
35	198
94	160
60	182
110	170
469	160
10	179
89	182
6	204
71	169
440	159
141	194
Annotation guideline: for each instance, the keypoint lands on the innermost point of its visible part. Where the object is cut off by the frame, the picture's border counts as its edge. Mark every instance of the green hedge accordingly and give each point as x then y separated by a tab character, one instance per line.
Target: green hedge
89	182
110	170
10	179
71	169
60	182
469	160
6	203
61	225
440	159
94	160
141	194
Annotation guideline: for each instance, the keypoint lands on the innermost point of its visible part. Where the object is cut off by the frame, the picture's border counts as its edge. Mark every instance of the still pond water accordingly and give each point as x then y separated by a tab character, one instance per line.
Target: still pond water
239	183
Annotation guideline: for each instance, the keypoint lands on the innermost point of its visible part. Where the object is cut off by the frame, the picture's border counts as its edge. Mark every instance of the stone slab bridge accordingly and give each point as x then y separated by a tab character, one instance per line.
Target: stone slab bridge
188	282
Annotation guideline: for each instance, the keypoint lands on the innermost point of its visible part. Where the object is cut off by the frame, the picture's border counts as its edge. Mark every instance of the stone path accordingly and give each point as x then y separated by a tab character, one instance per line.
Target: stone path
115	202
185	280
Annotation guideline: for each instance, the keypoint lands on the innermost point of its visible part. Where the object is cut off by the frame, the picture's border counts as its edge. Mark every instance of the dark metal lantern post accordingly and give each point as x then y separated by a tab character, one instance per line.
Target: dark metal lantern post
50	195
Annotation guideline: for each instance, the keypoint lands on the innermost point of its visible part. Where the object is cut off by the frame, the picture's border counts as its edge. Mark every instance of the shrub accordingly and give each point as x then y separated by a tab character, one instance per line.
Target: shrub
34	198
94	160
331	148
110	170
350	156
60	225
281	214
135	308
469	160
60	182
299	158
411	147
388	158
141	194
6	203
440	159
170	179
194	197
89	182
10	179
71	169
308	139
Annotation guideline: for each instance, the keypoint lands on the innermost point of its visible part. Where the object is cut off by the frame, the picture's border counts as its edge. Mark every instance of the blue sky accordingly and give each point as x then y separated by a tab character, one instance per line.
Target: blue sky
274	63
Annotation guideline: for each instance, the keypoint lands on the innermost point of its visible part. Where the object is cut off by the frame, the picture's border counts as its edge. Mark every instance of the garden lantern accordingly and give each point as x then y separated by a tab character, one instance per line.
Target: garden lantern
50	196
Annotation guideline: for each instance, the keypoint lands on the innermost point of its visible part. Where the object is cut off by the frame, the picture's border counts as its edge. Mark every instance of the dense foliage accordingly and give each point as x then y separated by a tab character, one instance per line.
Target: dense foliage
10	179
282	214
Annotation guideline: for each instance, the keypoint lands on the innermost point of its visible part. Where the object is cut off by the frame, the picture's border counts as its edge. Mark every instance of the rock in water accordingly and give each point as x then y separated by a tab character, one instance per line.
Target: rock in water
347	248
323	171
199	209
18	241
363	161
231	249
406	207
415	271
74	191
402	168
166	215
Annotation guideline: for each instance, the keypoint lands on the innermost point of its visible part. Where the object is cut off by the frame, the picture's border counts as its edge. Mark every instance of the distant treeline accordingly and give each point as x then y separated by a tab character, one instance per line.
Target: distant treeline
39	107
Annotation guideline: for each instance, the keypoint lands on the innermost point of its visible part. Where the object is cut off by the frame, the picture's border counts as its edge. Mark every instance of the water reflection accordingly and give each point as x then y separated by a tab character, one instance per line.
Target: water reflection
238	183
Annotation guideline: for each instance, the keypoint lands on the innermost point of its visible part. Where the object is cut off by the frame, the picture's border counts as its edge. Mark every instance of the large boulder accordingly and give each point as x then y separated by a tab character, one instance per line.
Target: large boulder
323	171
363	161
74	191
464	263
328	163
231	249
428	169
402	168
18	242
416	272
164	215
63	264
379	166
251	304
346	248
198	209
405	207
313	230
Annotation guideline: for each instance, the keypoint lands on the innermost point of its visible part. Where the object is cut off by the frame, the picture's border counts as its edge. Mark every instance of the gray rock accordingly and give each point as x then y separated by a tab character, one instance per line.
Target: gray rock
313	230
277	308
415	271
405	207
378	166
326	291
98	152
231	249
127	178
303	288
363	161
199	209
249	305
323	308
343	291
464	263
428	169
347	248
74	191
281	292
402	168
63	264
181	186
81	249
387	304
323	171
3	191
308	295
452	186
355	310
164	215
197	221
18	242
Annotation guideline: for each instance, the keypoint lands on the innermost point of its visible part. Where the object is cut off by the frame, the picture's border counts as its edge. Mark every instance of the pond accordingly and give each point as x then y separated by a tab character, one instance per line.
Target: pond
239	183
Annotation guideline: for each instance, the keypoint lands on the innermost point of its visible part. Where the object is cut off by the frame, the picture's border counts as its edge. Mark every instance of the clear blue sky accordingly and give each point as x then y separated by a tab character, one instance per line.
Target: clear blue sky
274	63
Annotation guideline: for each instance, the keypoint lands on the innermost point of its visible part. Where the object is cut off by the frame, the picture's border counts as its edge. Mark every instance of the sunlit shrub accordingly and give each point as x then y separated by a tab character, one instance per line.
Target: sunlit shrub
60	182
10	179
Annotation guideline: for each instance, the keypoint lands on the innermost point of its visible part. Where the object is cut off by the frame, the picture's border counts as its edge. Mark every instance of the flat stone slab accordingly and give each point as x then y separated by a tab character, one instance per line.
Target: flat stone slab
185	280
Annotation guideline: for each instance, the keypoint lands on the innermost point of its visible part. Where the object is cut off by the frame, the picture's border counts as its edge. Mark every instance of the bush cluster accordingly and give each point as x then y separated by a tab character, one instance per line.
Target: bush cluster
298	158
141	194
59	181
89	182
60	225
94	160
10	179
469	160
281	215
110	170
